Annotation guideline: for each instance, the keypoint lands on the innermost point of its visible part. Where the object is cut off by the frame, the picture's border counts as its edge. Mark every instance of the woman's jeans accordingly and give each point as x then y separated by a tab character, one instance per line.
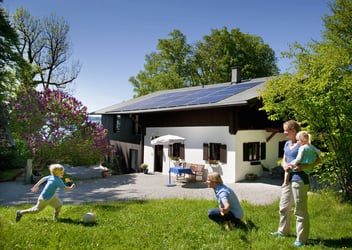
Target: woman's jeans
295	192
214	214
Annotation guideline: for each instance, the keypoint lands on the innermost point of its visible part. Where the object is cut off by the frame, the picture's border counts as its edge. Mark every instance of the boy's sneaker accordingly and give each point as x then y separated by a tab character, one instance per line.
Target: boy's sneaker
298	244
18	215
278	234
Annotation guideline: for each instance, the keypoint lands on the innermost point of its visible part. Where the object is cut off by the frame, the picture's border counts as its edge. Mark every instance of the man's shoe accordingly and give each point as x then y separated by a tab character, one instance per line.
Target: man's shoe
298	244
18	215
278	234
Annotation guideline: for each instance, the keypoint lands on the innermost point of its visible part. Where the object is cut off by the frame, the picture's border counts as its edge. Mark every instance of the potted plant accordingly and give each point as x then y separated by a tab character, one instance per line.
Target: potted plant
213	162
144	167
105	171
176	160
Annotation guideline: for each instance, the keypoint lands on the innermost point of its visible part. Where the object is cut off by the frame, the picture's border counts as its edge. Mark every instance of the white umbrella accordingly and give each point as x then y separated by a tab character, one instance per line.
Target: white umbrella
167	140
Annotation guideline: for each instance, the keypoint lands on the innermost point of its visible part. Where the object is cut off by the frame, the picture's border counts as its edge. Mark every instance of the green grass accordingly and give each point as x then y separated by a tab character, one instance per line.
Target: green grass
170	224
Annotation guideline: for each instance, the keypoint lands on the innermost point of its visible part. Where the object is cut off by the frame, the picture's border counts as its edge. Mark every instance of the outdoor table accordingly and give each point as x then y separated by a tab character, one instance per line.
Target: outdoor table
180	171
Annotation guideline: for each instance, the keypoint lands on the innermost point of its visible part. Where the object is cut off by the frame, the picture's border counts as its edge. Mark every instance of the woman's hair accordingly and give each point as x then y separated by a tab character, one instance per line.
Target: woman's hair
293	125
304	136
55	169
215	177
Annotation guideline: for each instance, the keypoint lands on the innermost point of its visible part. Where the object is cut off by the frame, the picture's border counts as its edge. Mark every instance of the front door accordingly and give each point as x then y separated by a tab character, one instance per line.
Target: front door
158	158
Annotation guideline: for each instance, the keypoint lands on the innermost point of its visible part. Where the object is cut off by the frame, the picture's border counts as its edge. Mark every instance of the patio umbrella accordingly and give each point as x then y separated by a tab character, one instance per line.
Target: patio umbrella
167	140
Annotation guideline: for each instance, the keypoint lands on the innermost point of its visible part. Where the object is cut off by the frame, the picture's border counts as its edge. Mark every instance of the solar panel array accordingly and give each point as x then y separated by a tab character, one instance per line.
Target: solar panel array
189	97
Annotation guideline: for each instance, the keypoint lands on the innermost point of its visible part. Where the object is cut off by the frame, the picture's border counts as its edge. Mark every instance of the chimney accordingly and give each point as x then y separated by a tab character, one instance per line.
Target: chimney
236	75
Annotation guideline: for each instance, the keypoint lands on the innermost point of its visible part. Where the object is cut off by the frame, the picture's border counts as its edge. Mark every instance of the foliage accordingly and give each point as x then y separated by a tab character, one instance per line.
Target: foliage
14	157
144	166
11	63
318	94
213	162
178	64
45	45
175	158
56	128
170	224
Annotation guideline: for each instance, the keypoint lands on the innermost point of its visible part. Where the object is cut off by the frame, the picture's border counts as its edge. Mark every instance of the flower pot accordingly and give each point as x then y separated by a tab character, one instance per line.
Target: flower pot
145	171
105	173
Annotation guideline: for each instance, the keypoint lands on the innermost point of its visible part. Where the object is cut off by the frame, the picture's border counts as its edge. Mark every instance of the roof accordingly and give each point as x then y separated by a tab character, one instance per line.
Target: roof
215	95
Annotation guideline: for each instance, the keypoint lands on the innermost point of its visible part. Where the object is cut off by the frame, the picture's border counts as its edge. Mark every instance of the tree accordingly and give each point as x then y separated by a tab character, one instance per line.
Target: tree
178	64
222	50
56	128
318	94
167	69
45	45
12	66
52	124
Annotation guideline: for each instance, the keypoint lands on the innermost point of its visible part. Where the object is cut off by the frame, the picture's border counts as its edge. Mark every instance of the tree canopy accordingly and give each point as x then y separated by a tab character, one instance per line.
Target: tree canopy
12	65
47	123
318	93
45	45
178	64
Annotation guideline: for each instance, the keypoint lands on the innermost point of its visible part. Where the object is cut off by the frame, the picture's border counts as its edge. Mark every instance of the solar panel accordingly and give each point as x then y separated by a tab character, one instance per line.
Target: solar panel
186	97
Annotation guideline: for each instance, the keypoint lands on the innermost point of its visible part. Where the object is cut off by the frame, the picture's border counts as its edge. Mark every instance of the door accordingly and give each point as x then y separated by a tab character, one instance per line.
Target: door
158	158
134	159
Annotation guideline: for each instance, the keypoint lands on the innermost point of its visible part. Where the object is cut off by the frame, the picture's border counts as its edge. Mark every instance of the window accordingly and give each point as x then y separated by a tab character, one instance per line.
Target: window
177	150
281	149
215	152
136	129
117	123
254	151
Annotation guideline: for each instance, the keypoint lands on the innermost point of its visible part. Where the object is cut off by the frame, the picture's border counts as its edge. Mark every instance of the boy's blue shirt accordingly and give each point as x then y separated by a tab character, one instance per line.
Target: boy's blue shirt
52	184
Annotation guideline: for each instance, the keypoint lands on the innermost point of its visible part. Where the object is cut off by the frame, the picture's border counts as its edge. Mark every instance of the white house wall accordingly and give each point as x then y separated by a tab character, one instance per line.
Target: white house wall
231	171
272	151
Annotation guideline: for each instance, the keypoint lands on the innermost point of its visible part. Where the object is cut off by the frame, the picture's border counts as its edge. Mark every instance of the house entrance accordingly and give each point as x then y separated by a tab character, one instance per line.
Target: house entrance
158	158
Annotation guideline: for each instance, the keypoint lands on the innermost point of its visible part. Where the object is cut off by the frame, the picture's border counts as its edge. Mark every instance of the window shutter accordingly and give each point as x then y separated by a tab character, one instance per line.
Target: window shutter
170	151
245	152
262	151
223	153
182	151
205	151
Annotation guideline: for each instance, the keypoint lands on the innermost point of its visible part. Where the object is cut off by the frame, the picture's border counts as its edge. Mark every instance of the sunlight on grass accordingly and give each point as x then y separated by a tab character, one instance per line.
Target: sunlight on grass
170	224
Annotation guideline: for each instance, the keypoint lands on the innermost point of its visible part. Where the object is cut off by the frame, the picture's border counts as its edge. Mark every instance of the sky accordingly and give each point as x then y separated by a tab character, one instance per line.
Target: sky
111	38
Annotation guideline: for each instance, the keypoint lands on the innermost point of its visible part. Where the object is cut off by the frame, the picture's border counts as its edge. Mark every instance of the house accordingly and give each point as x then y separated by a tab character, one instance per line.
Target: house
221	124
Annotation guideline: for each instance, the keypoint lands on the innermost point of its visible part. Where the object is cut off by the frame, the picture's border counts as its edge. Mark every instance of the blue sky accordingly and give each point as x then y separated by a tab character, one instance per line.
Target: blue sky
112	37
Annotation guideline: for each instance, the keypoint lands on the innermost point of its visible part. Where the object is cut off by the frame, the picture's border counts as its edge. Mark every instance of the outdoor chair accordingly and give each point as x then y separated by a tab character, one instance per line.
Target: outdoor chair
198	171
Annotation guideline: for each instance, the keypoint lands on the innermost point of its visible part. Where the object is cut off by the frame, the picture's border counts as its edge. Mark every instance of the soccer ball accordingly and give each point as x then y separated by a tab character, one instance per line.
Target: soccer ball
89	218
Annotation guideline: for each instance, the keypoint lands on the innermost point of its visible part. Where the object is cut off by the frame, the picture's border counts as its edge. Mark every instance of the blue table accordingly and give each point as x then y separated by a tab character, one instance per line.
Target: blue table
180	170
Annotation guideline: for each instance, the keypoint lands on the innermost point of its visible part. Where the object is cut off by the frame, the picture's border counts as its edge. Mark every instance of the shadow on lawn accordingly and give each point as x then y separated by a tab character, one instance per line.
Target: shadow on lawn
344	242
77	222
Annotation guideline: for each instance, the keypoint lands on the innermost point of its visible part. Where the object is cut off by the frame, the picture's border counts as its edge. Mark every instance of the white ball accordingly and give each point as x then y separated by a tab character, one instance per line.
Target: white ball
89	218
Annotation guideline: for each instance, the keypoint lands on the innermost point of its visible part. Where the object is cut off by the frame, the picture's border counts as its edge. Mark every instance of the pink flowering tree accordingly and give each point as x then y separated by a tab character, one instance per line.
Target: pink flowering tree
56	128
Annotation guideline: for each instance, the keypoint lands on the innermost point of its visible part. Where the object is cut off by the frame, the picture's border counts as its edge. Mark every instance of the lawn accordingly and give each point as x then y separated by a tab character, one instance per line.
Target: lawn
170	224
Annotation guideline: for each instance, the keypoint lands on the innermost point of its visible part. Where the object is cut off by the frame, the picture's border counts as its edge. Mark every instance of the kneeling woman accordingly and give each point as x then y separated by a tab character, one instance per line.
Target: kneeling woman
230	212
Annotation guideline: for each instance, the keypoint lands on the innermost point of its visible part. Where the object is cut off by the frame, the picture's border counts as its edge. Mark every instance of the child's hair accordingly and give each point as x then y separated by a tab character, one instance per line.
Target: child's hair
55	169
215	177
304	136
